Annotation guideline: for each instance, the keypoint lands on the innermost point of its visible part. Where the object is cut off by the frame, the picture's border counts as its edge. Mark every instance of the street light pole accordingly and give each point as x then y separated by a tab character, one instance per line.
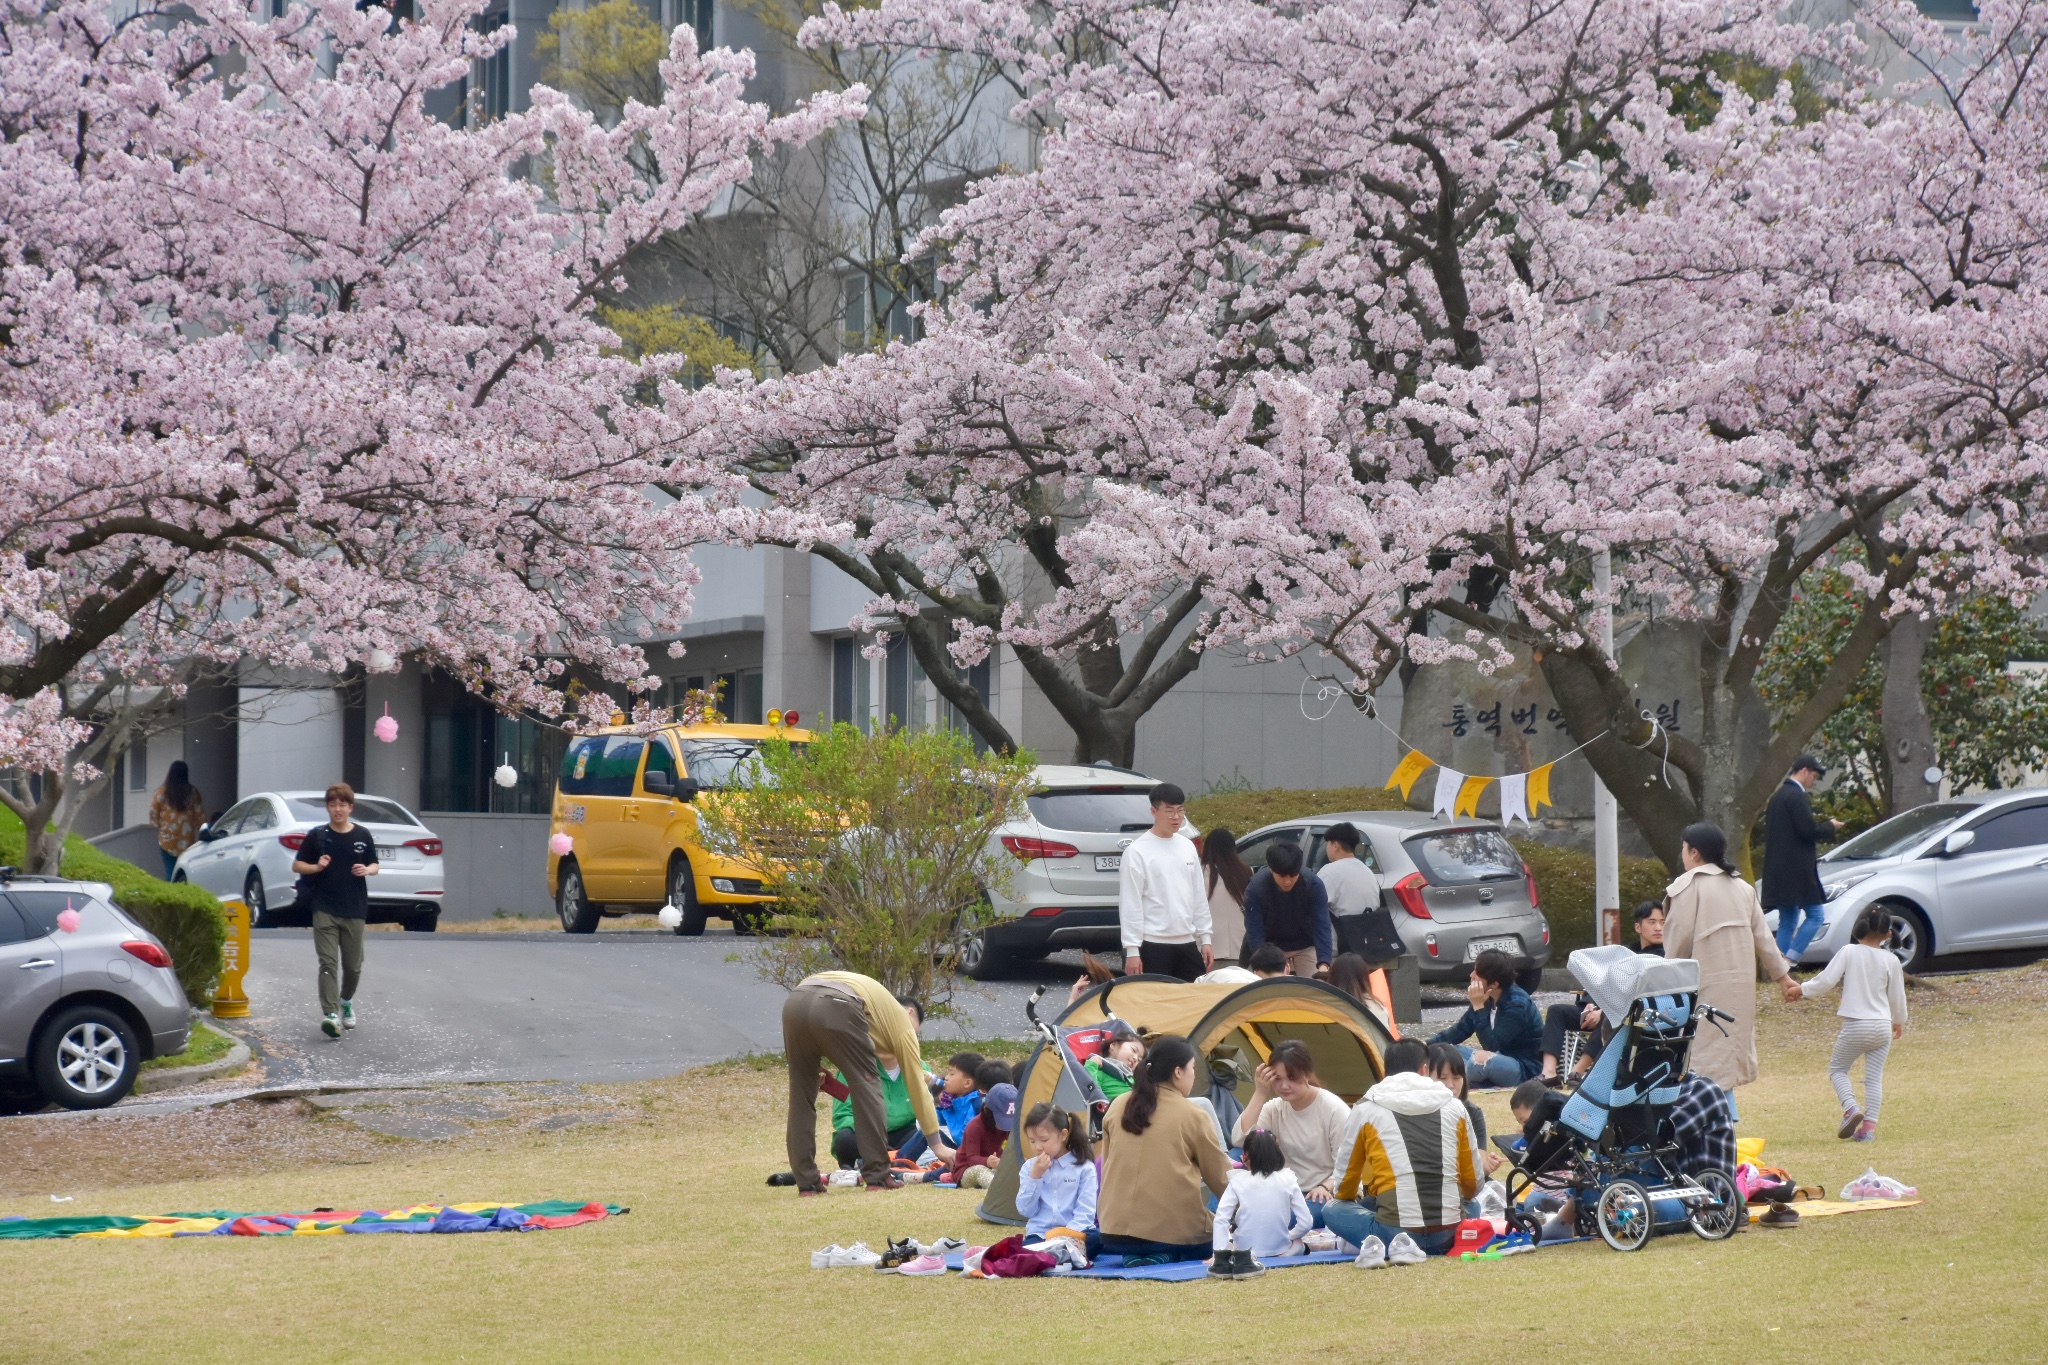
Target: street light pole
1606	834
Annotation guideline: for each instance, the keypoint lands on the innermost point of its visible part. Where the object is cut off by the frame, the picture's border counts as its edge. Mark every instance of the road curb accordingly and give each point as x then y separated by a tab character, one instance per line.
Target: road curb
178	1077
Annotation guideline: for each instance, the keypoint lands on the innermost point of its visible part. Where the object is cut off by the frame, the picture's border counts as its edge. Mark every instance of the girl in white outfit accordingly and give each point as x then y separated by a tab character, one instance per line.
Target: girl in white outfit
1263	1210
1873	1013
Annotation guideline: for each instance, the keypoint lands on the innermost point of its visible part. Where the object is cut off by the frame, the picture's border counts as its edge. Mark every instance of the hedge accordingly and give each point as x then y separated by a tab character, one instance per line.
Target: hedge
1564	876
186	919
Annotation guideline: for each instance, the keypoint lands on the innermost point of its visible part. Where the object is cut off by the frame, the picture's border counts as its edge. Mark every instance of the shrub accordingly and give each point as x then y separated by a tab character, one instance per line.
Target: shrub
186	919
879	846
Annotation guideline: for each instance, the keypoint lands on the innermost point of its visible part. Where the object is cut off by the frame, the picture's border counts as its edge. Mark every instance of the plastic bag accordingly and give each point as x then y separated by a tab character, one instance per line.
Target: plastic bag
1871	1185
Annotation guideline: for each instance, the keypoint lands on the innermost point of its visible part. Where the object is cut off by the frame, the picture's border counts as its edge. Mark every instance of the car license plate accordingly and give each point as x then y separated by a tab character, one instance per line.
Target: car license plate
1480	945
386	853
1109	862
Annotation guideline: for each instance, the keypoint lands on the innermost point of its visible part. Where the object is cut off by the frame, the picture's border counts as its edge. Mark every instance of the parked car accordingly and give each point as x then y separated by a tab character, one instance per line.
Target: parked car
626	802
1454	887
1964	875
1068	848
248	852
80	1012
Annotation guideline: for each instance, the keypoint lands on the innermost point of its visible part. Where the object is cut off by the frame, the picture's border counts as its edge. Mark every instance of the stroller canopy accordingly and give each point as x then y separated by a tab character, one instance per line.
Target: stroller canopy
1616	976
1345	1039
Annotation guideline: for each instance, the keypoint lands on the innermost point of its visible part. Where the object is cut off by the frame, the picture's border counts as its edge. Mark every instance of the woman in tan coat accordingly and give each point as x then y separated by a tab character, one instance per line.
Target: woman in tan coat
1714	918
1159	1148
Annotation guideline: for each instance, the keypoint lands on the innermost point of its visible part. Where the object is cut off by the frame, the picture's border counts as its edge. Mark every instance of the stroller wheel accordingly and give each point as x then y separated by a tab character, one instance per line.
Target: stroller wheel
1623	1215
1718	1224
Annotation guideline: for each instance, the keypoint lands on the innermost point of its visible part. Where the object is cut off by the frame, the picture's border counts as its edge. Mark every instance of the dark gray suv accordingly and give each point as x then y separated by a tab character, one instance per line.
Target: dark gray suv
80	1011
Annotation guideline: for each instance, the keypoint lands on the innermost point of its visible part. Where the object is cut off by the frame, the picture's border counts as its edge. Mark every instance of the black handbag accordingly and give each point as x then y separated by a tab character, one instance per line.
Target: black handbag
1377	940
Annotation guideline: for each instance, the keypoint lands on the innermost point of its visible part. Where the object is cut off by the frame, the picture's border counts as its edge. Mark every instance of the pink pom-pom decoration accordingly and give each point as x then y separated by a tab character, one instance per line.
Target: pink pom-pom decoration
561	845
67	920
386	728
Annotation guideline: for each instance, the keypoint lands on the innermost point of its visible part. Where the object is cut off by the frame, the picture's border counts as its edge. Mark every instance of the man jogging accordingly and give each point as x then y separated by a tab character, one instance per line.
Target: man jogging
337	859
1791	880
851	1020
1162	905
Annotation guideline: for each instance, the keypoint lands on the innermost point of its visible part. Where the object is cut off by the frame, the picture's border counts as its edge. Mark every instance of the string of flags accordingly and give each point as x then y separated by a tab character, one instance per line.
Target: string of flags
1522	795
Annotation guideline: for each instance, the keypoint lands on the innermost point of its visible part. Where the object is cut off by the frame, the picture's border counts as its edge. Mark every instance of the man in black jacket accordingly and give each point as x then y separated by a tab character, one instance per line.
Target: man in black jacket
1791	881
1289	911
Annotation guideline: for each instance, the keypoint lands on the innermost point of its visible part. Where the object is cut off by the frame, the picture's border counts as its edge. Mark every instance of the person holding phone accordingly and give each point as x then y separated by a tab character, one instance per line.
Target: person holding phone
337	860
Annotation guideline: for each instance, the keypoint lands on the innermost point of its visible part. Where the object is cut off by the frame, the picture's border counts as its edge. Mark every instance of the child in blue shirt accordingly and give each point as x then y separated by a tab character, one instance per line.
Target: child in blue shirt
957	1100
1057	1187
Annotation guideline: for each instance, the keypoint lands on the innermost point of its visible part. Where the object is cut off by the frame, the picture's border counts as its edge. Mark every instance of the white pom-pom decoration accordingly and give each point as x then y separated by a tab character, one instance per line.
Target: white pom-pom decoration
506	776
380	661
561	845
669	917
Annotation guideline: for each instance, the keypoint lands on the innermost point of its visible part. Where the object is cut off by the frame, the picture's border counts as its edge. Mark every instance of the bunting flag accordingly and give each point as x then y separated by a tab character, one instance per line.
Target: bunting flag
1410	769
1449	782
1468	795
1539	787
1514	798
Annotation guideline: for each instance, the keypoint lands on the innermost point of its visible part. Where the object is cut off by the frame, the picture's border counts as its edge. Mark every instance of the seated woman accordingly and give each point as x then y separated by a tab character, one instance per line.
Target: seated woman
1581	1015
1306	1120
1445	1065
1159	1149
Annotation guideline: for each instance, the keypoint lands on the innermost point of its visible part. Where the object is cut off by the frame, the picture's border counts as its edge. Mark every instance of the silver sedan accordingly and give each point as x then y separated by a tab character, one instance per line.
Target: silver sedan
1964	875
248	853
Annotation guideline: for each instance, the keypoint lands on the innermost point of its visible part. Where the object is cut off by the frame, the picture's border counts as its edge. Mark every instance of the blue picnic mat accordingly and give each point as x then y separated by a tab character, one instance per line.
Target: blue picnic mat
1112	1267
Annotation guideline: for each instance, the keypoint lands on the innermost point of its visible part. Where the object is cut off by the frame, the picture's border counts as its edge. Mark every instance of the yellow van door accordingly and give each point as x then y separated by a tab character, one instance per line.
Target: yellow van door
599	773
644	842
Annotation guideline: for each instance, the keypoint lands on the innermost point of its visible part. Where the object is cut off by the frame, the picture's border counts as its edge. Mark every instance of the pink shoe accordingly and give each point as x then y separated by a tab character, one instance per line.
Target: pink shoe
1866	1131
924	1265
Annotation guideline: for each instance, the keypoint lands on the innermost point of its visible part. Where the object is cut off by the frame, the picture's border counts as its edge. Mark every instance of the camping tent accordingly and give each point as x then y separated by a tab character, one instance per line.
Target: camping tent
1345	1039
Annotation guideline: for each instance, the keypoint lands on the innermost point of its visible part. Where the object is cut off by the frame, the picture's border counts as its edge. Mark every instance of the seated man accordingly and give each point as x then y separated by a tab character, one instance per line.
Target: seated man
1504	1020
1582	1015
1409	1164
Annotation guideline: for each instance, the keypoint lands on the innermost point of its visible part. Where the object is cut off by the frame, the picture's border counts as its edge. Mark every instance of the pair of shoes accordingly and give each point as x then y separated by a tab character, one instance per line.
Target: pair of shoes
1779	1216
1404	1251
899	1254
836	1257
1371	1256
891	1181
331	1025
348	1014
1234	1265
1850	1118
1866	1131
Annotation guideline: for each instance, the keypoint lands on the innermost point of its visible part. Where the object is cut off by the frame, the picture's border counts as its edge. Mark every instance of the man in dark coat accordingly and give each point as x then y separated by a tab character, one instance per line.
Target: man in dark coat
1791	880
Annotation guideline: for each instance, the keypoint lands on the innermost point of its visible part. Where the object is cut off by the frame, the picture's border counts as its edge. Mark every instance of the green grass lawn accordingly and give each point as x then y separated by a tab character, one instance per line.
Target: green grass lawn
206	1045
713	1265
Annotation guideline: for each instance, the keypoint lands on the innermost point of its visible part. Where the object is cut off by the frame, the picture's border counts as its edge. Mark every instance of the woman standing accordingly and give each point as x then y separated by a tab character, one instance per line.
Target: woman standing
1227	876
1158	1151
175	810
1715	919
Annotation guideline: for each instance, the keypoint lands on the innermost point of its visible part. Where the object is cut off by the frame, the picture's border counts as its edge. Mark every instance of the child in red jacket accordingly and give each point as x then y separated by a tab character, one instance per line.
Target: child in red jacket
981	1146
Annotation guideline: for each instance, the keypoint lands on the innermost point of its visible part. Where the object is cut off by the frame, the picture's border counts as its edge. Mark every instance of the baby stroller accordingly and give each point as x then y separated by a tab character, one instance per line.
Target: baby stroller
1608	1148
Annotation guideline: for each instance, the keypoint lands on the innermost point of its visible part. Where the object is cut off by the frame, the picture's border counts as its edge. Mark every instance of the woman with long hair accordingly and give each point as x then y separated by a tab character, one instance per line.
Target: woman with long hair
1368	985
1715	919
1226	876
177	812
1159	1149
1308	1121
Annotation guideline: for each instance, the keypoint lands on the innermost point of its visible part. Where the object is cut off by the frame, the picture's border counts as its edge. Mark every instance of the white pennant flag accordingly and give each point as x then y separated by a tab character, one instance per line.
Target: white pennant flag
1448	781
1514	798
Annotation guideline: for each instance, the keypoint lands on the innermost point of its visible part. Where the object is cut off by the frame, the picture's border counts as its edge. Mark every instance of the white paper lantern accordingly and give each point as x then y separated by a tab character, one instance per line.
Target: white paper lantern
380	661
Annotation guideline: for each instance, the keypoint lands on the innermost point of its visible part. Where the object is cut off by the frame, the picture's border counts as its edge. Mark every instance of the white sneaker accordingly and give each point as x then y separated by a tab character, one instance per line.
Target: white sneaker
859	1257
824	1258
1404	1251
1372	1255
943	1247
843	1178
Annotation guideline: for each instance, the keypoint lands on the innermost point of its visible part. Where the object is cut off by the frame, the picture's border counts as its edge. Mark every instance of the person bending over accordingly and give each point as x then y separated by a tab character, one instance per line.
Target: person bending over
1291	912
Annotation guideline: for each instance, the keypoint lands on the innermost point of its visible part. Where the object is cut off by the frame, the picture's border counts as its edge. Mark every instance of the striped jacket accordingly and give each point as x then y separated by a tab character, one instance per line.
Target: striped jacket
1411	1149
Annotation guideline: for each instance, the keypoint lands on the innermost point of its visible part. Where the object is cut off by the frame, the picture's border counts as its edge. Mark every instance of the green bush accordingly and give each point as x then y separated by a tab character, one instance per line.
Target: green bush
187	920
1564	877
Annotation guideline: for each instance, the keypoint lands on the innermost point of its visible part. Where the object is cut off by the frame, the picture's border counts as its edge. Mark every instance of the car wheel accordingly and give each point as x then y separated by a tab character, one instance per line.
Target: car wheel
682	894
1912	938
423	924
572	906
981	959
259	908
746	921
86	1058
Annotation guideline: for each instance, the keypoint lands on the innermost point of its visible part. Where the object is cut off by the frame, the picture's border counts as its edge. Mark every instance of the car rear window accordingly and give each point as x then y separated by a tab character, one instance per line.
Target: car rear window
41	908
1109	811
601	765
369	809
1460	857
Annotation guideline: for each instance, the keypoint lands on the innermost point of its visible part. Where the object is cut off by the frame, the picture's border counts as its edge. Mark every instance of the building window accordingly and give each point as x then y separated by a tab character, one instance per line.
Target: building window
853	701
137	759
695	15
467	739
742	699
493	73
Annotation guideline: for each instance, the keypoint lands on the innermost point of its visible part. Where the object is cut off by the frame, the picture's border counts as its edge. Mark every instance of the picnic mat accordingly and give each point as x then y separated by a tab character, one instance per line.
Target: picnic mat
484	1217
1828	1208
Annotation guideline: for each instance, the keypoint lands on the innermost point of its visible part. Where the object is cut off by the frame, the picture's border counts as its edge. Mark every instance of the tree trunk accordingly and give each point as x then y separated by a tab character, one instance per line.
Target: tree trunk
42	838
1908	733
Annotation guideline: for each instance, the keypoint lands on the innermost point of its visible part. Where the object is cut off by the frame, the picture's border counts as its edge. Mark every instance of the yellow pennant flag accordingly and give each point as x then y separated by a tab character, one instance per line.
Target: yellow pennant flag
1468	795
1411	767
1539	788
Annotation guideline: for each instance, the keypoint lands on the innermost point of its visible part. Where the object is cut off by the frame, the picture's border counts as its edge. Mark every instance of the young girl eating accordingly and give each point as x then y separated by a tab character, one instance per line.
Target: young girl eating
1873	1013
1057	1186
1262	1213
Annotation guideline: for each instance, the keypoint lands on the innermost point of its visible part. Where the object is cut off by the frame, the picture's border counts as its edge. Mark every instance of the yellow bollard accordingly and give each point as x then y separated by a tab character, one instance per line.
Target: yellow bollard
228	1000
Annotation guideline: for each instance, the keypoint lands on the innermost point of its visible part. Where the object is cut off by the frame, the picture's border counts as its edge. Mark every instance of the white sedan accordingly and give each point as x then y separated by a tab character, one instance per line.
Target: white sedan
248	852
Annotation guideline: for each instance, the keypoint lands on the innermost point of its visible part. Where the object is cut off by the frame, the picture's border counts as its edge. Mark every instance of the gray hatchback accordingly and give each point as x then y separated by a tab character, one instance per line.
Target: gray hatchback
1454	887
80	1011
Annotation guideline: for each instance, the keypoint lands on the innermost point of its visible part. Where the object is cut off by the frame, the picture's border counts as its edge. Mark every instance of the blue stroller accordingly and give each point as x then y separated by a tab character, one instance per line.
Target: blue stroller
1609	1149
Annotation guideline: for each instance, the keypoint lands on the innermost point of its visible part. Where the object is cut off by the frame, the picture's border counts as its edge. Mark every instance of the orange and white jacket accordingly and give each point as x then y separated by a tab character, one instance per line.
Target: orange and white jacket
1411	1149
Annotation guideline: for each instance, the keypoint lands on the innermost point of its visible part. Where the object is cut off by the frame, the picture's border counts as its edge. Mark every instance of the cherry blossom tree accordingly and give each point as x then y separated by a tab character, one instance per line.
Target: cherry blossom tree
1368	324
292	371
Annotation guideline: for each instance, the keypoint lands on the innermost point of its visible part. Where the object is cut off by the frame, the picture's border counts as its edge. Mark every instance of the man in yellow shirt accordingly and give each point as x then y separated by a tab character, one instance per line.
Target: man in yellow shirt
848	1019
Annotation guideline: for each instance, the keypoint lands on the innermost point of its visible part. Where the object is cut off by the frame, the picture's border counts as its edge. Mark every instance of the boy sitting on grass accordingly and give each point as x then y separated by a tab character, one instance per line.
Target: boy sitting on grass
956	1097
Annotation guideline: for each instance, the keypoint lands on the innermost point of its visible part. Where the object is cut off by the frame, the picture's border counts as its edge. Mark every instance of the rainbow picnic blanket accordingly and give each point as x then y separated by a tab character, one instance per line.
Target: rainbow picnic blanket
485	1217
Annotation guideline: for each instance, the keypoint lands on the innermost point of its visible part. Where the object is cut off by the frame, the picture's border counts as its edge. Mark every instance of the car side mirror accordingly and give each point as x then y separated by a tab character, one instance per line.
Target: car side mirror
660	783
207	834
1957	842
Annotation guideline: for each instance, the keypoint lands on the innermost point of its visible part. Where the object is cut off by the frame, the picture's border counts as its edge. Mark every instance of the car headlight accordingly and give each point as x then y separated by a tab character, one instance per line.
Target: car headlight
1842	883
722	884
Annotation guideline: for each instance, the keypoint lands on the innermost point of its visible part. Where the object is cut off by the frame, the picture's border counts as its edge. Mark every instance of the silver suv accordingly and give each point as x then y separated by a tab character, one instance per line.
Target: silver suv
81	1011
1454	887
1964	875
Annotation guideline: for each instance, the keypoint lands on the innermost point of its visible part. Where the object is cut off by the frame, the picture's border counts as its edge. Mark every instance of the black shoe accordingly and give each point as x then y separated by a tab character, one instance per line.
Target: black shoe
1222	1267
899	1253
1779	1216
781	1178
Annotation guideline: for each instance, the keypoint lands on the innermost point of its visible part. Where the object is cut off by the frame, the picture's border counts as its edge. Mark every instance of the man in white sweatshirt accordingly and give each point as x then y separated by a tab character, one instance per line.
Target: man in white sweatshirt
1162	906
